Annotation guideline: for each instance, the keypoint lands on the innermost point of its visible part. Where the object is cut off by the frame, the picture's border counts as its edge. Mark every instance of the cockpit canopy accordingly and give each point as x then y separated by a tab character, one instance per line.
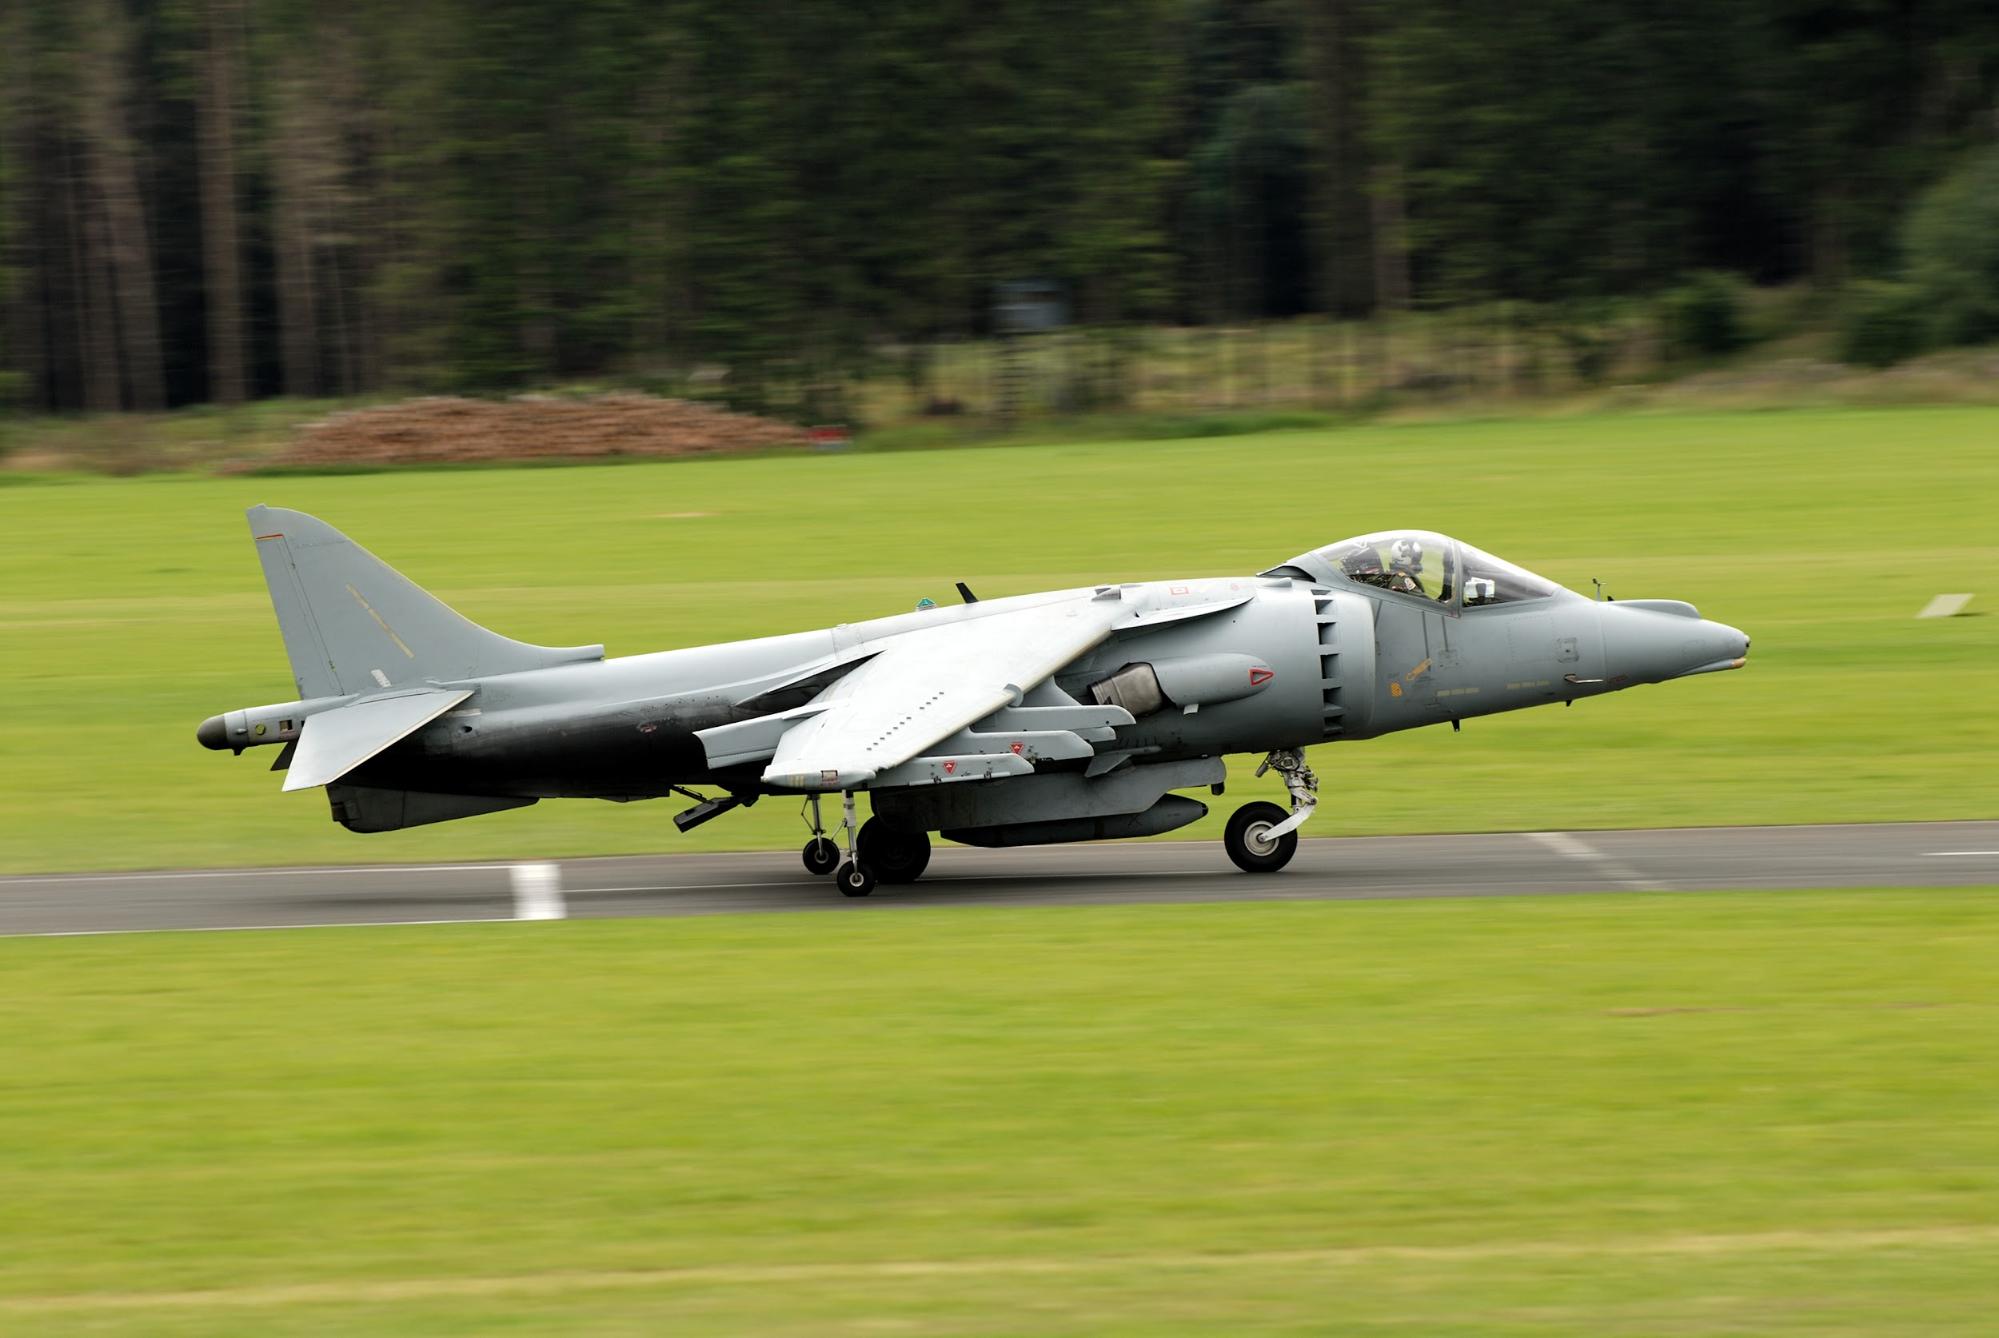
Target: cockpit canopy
1423	565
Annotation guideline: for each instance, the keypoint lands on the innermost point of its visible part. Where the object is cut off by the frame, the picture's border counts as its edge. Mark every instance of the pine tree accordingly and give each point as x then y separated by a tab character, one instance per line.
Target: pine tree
221	250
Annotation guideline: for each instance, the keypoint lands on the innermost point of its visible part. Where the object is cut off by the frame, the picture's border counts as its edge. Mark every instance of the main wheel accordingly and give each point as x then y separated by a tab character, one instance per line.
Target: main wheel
855	880
821	856
1250	844
896	857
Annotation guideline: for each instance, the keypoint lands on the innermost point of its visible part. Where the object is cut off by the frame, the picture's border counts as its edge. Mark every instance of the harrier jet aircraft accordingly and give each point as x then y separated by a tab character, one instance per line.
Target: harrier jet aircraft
1071	715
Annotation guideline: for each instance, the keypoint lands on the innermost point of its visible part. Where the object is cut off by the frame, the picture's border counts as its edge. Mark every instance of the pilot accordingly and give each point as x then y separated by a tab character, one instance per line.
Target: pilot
1405	567
1365	567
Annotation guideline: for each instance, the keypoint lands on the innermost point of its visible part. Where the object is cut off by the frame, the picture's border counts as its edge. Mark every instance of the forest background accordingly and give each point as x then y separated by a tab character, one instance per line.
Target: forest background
224	200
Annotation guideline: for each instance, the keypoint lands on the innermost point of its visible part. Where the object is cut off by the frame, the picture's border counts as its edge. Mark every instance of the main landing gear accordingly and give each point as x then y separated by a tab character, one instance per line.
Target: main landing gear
875	853
1261	837
896	857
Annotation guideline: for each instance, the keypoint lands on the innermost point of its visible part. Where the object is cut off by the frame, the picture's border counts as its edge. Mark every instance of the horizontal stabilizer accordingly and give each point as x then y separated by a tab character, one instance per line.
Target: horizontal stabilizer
335	742
750	740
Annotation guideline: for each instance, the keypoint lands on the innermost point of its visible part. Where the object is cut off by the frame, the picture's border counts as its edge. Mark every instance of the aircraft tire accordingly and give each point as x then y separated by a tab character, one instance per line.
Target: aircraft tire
896	857
855	880
821	856
1248	849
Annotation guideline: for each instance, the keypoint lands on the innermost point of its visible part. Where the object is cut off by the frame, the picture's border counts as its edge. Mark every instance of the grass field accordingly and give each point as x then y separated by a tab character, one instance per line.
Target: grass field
131	609
1756	1113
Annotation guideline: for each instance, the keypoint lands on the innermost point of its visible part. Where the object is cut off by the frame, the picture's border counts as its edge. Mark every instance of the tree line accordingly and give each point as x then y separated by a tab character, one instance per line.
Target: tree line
216	200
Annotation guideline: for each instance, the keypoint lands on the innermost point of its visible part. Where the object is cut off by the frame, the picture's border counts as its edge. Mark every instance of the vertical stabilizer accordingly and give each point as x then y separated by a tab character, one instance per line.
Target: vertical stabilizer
353	624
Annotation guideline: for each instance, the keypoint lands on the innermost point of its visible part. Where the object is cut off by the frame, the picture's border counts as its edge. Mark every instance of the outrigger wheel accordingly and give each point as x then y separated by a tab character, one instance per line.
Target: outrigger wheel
855	880
895	856
1248	840
821	856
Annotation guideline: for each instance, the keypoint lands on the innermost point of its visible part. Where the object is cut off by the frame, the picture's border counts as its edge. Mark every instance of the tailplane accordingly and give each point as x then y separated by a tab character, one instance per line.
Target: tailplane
353	624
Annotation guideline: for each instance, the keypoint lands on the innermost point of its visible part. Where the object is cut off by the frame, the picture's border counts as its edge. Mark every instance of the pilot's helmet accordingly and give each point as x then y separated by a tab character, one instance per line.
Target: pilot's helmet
1362	562
1407	554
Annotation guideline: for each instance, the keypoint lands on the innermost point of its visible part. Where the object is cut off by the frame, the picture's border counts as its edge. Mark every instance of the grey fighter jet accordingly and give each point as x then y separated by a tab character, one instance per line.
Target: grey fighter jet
1072	715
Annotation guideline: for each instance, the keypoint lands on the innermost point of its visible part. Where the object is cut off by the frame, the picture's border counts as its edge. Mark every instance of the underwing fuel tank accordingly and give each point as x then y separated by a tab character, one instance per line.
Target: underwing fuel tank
1171	812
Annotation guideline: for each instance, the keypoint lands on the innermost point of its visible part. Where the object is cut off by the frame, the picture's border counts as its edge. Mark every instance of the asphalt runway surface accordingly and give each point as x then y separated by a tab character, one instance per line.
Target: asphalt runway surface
1942	854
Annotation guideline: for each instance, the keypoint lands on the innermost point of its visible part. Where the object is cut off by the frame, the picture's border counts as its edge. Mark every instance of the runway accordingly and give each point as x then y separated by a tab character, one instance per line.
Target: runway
1946	854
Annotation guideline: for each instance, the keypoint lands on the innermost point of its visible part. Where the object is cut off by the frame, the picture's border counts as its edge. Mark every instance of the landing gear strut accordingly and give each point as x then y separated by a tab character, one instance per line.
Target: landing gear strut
821	855
1260	837
855	878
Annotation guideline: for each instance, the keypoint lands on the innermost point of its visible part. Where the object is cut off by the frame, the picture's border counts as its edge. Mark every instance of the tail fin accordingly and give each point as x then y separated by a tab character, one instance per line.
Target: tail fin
352	624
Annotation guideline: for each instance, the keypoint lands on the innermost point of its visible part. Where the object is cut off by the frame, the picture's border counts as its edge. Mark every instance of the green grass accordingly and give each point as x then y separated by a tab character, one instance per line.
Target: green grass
199	436
1756	1113
131	609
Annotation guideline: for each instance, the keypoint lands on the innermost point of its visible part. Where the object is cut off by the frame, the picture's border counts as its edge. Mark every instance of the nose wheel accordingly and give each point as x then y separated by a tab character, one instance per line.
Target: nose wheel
1261	837
1249	840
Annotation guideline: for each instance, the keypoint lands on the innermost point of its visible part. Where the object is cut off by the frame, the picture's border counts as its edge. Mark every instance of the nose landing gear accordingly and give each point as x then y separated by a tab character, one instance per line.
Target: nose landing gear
1260	837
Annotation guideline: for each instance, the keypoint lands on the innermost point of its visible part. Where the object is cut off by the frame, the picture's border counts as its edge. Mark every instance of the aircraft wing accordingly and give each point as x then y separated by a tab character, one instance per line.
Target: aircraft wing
927	686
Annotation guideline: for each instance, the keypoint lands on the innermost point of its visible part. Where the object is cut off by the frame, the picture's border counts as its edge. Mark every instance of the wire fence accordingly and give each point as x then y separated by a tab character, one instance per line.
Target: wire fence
1297	364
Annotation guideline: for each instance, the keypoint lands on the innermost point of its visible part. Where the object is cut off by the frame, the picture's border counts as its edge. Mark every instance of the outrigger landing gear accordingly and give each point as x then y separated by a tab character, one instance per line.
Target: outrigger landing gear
1260	838
854	878
821	855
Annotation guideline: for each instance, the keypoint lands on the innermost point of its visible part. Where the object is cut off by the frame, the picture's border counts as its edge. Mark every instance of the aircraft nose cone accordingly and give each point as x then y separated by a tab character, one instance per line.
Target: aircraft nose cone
1713	647
212	733
1651	645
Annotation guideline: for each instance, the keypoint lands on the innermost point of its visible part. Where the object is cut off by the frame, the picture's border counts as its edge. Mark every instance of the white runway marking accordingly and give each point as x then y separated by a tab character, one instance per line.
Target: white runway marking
1948	854
1564	844
538	892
